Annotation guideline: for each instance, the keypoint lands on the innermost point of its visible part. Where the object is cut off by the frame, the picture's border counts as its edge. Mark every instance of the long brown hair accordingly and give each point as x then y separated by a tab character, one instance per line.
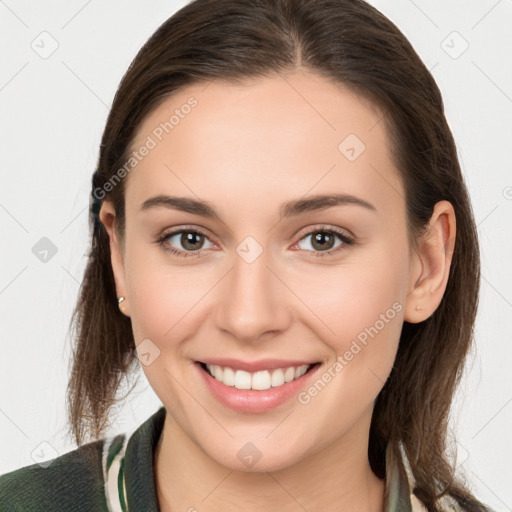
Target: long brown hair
349	42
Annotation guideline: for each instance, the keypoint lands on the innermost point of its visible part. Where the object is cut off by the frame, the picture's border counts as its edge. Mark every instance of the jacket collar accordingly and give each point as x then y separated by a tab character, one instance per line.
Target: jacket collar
139	466
400	483
139	484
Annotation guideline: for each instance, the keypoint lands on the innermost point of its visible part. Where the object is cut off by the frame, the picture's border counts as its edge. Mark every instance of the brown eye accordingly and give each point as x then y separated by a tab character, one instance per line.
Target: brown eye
191	241
185	242
324	241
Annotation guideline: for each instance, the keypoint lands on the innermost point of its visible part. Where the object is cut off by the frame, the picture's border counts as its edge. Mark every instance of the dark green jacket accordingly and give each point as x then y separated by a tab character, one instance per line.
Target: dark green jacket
116	474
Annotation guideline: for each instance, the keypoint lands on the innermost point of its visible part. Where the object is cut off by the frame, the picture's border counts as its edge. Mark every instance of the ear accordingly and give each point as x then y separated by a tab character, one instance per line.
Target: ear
107	217
430	264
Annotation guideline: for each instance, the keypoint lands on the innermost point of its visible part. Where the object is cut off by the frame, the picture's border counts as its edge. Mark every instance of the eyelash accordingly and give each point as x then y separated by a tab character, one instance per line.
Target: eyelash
317	254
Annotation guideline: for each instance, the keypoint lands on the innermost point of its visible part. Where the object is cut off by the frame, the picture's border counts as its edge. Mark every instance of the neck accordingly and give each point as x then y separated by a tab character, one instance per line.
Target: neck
336	478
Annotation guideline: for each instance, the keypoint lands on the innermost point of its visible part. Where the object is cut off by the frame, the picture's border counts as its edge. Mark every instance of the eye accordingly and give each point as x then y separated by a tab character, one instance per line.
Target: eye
188	242
322	241
184	242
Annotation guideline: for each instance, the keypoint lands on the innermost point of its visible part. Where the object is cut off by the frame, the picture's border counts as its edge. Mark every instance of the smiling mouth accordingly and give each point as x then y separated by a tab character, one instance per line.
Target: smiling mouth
259	380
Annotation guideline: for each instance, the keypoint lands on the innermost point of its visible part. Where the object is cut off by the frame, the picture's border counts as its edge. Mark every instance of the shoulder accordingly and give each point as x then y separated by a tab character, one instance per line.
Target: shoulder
71	482
112	473
401	486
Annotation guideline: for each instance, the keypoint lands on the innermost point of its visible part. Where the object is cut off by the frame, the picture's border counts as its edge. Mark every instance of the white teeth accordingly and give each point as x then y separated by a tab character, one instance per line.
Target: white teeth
277	378
242	380
229	377
300	371
261	380
218	373
289	374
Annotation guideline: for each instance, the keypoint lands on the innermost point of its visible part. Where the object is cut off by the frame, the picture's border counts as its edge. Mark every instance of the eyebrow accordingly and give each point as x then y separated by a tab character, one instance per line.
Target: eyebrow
288	209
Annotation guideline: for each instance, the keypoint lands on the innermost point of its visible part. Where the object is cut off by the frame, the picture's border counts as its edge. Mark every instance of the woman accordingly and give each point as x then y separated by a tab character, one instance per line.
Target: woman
282	237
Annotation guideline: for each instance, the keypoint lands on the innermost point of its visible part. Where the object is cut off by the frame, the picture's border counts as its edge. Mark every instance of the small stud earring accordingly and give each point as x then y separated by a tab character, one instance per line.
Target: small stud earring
120	301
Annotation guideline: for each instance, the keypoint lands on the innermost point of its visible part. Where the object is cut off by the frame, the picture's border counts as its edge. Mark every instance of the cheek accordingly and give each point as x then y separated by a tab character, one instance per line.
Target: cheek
166	306
164	299
360	307
354	297
162	293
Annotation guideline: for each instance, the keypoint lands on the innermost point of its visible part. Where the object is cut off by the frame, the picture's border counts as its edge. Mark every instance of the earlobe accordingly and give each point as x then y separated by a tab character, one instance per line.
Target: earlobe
430	267
123	306
107	217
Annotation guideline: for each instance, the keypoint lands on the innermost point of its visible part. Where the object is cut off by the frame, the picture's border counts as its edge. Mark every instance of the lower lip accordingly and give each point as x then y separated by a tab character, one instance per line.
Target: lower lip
253	400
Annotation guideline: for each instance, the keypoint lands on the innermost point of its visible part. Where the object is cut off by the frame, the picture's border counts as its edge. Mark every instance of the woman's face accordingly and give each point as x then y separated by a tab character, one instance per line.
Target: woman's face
274	273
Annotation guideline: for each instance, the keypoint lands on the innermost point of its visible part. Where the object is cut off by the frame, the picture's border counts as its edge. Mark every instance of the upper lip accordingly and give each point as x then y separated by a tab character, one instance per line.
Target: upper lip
255	366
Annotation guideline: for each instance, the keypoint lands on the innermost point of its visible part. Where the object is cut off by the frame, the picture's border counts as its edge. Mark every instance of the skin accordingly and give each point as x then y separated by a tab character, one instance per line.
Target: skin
247	149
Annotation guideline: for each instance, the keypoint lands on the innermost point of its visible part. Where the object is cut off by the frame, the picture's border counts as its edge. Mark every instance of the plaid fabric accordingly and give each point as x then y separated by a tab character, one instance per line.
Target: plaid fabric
116	474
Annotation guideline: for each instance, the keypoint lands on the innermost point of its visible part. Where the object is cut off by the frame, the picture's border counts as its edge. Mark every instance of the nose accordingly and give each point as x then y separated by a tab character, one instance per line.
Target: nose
254	303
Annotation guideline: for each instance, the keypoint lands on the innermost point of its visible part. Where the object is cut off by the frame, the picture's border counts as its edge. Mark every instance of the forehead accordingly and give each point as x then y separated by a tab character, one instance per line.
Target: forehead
289	135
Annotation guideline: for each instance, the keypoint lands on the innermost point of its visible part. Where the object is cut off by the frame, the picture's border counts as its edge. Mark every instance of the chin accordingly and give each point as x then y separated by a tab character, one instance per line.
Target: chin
247	457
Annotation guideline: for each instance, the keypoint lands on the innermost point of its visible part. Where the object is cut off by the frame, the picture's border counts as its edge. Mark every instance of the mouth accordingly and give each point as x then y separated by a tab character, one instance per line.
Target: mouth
260	380
270	384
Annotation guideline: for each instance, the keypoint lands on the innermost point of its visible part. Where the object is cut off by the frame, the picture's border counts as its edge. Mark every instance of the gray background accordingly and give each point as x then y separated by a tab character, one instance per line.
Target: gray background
54	107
